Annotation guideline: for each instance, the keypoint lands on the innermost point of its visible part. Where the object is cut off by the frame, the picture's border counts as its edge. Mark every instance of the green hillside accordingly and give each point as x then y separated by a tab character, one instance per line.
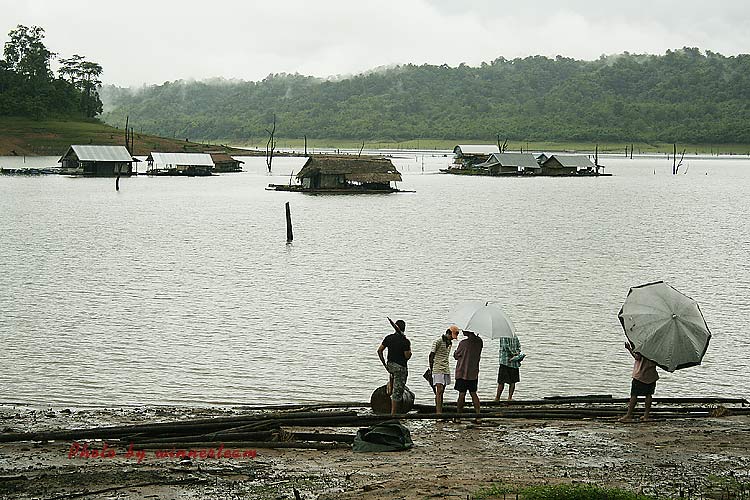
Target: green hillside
685	96
26	136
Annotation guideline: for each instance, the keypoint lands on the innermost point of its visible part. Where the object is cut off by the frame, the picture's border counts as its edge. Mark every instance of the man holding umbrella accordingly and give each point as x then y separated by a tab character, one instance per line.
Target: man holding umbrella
644	383
467	356
664	328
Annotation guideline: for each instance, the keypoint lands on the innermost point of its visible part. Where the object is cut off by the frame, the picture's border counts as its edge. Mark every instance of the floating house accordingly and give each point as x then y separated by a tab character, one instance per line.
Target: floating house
567	165
97	161
344	174
225	163
468	155
190	164
510	164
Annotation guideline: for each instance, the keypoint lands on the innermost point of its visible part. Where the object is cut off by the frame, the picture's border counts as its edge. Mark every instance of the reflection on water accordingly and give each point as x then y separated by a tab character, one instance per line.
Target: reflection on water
183	290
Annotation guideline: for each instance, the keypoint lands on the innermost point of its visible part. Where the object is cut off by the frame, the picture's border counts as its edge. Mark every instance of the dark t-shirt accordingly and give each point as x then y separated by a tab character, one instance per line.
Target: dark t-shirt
397	343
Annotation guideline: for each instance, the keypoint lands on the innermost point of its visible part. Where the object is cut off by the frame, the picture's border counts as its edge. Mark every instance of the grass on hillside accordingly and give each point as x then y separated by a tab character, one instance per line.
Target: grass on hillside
558	492
25	136
728	487
513	146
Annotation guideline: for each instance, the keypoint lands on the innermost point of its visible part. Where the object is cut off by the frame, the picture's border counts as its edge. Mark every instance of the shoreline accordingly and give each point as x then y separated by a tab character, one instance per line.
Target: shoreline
448	459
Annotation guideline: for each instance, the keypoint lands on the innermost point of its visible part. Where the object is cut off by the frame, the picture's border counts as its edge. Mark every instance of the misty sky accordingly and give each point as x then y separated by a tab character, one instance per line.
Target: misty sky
153	41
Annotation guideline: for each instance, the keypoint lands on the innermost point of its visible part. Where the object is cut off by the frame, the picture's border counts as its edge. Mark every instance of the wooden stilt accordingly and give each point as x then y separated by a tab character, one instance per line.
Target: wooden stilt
289	233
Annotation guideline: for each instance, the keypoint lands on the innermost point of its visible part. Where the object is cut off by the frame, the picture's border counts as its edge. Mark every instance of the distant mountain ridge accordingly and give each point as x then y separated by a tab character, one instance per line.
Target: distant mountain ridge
685	95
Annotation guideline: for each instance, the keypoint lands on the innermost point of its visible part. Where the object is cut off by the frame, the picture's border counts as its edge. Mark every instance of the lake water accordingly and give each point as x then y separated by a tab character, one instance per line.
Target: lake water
184	291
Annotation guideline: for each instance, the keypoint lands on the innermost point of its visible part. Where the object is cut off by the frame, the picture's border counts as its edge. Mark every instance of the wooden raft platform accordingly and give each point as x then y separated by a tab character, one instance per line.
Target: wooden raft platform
309	426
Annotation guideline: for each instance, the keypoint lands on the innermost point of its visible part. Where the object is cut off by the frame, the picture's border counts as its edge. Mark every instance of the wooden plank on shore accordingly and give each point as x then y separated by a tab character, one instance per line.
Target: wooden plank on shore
244	444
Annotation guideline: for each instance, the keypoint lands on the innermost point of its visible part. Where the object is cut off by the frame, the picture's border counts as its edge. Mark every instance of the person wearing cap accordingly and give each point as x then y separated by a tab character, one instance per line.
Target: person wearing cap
399	352
440	366
467	356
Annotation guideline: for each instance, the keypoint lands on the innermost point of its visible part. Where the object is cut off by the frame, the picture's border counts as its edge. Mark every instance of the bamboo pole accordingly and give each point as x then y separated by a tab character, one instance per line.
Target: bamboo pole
244	444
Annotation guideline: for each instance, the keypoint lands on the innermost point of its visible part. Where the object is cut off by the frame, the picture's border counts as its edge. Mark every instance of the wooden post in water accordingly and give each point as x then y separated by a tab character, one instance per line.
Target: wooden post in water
674	159
289	234
117	181
596	158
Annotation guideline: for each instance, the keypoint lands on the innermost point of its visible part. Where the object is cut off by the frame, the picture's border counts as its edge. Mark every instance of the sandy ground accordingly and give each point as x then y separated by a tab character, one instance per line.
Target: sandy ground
448	460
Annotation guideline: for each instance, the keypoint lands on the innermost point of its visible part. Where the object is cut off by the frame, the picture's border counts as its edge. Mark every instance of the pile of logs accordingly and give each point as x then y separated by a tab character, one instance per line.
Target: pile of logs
309	426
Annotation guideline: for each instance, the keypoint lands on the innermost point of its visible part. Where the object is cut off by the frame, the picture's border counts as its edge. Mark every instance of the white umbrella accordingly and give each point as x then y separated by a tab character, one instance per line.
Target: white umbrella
665	326
483	318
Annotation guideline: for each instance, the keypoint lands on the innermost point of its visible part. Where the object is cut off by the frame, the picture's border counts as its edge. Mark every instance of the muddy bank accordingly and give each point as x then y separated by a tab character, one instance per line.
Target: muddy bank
448	459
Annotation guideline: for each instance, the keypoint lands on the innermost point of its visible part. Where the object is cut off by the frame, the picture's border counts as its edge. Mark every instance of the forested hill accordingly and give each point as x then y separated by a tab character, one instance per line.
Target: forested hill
685	96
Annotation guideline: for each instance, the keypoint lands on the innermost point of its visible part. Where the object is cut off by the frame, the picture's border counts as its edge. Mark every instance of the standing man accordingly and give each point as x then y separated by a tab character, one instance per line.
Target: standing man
508	371
467	356
644	383
399	352
440	366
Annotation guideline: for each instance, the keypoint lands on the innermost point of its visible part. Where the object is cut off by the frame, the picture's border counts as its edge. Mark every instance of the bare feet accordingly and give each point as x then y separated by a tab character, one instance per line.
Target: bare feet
627	419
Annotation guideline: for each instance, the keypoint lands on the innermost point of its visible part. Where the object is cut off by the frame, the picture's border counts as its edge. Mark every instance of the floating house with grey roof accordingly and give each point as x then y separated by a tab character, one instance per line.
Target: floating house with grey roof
190	164
469	155
510	164
97	161
560	164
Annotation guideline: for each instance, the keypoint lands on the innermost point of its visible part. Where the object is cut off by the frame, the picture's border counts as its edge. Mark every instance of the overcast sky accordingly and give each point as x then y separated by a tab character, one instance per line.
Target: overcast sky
140	41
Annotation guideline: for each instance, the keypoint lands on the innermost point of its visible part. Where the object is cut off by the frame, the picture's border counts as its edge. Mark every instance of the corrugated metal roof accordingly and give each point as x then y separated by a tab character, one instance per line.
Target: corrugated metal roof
476	149
578	161
182	159
525	160
99	153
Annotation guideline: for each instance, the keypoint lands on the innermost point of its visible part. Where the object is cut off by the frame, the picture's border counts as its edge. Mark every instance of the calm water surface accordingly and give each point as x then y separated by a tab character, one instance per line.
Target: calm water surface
184	291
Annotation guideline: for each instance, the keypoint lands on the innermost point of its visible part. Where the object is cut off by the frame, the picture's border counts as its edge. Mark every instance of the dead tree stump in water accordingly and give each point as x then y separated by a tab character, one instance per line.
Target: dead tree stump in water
289	233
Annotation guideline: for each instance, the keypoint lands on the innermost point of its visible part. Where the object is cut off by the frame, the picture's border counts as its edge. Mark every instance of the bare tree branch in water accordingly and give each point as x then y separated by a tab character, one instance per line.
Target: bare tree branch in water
675	164
271	144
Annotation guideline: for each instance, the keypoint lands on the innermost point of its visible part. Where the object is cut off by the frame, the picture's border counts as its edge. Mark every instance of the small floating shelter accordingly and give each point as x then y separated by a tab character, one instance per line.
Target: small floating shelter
225	163
97	161
344	174
469	155
561	164
510	164
190	164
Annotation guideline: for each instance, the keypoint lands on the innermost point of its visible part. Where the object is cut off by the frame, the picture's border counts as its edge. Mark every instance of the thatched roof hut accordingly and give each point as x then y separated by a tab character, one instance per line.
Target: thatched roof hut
225	163
333	172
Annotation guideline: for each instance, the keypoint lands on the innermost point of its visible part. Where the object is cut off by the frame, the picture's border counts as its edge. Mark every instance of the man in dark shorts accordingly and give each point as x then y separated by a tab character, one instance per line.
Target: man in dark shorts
399	352
644	383
508	371
467	356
